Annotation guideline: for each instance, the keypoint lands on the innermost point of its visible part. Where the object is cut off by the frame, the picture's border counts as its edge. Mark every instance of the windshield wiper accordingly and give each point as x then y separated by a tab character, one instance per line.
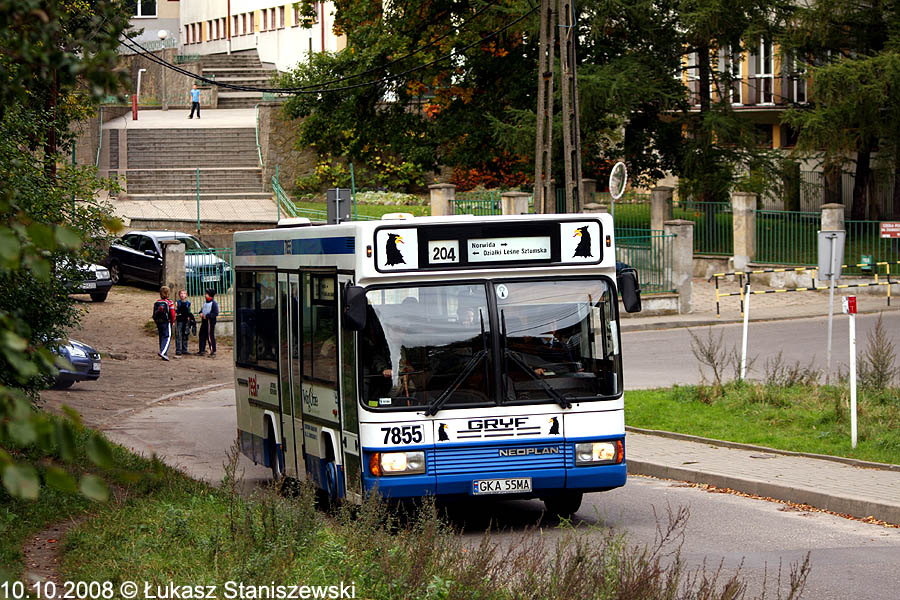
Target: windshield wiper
435	406
551	391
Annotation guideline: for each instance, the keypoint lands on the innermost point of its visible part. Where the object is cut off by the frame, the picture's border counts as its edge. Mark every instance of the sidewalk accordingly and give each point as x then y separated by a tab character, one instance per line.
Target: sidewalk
825	483
763	307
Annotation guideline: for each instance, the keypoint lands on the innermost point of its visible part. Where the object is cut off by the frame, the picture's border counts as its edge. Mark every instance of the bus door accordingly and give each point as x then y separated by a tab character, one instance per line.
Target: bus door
350	446
284	376
320	390
296	334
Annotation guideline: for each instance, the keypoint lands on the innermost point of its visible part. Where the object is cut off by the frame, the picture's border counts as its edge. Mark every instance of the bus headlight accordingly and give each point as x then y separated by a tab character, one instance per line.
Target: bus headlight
599	453
397	463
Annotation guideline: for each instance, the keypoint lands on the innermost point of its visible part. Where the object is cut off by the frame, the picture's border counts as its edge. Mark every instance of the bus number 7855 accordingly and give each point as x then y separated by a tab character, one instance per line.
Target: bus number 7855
406	434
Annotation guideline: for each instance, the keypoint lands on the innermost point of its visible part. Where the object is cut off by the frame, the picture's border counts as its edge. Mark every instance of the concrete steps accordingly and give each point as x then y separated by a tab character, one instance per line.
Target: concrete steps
242	68
152	181
186	197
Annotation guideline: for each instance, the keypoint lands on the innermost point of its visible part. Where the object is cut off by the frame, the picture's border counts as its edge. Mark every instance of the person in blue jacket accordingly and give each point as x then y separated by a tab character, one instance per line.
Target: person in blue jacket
209	311
195	101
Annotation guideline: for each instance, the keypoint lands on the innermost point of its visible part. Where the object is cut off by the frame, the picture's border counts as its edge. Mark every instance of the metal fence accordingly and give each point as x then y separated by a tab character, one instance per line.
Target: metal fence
476	203
787	237
865	246
651	255
210	268
713	225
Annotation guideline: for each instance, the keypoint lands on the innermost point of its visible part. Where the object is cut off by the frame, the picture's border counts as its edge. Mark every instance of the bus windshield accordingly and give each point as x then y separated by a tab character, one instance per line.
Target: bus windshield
433	346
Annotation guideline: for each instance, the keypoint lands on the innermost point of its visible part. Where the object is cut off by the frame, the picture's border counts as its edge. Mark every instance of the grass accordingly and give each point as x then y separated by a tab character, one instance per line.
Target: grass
369	210
20	519
801	418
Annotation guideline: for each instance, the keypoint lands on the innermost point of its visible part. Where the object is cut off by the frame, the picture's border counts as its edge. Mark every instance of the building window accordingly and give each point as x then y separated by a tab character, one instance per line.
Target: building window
692	73
223	31
281	17
263	22
762	71
798	83
252	22
731	71
272	17
141	8
296	15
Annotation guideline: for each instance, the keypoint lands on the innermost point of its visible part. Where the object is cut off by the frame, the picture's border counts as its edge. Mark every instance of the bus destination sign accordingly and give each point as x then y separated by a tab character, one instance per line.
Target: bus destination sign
480	245
506	249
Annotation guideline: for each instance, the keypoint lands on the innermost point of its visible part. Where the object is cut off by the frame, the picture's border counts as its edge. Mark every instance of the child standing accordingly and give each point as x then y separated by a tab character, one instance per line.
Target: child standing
184	322
208	314
164	317
195	101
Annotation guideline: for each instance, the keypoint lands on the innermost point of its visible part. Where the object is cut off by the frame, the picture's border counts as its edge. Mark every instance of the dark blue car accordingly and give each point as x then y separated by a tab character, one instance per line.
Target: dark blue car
84	361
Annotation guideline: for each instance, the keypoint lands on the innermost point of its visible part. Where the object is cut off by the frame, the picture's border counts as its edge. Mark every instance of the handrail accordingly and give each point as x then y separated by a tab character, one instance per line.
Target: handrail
100	144
258	148
281	198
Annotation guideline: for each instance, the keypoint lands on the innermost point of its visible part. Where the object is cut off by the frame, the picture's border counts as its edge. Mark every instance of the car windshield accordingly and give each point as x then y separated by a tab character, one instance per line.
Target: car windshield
424	345
191	243
431	346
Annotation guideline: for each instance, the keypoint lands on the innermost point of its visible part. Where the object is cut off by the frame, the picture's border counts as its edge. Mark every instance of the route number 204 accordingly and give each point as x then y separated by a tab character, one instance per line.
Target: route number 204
405	434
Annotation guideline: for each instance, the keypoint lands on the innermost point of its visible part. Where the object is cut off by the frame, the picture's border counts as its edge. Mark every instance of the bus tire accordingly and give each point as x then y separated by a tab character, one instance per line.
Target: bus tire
563	506
274	462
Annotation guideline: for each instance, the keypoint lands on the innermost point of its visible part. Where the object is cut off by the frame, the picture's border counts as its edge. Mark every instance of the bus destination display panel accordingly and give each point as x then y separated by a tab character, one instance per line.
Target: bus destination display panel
482	245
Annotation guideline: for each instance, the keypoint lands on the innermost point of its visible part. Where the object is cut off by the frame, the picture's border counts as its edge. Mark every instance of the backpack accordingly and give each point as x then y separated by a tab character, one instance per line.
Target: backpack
161	313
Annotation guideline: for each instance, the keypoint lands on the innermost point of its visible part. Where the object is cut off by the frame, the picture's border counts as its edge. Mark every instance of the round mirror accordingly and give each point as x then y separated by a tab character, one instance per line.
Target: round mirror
618	177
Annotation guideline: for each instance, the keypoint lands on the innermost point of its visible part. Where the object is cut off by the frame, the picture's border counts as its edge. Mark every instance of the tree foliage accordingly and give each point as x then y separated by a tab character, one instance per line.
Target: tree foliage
56	57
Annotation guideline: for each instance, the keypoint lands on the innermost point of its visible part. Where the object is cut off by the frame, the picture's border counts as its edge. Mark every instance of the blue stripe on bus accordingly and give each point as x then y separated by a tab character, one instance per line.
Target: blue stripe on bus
328	245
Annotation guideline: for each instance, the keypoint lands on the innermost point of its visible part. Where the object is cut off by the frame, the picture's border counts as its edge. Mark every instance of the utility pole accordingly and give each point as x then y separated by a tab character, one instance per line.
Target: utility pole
564	23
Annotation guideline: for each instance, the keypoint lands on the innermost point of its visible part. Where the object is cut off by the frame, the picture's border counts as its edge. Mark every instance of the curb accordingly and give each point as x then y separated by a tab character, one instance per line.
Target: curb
849	505
846	505
203	388
627	327
726	444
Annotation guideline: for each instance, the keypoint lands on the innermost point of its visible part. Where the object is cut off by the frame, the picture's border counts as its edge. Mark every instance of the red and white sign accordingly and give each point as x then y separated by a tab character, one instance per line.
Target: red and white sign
890	230
850	305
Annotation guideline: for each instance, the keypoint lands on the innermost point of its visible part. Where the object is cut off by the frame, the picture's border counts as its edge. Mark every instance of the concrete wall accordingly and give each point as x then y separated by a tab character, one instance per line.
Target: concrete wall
216	233
283	46
177	86
277	139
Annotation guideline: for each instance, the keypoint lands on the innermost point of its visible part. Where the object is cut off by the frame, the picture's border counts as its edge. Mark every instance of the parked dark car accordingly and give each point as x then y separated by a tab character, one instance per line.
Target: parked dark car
96	282
85	364
137	256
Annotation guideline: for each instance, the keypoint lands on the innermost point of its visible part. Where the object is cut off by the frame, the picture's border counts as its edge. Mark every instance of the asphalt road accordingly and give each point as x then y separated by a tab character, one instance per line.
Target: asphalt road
849	558
661	358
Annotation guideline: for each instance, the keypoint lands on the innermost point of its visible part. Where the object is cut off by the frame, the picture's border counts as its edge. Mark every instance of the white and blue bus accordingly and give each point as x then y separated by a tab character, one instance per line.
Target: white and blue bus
441	356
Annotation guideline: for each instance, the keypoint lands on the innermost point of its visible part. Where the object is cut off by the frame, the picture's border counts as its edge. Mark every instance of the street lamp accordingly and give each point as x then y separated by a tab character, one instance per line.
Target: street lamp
163	34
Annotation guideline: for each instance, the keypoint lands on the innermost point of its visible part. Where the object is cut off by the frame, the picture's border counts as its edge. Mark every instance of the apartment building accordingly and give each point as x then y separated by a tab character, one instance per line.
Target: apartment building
279	33
154	16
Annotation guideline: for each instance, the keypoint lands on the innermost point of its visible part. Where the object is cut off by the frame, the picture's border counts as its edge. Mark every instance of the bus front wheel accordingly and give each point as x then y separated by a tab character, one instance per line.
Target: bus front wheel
563	506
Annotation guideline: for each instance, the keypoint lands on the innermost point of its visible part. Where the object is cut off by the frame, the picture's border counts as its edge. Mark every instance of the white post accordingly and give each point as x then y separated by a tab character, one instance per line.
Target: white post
746	330
853	380
830	314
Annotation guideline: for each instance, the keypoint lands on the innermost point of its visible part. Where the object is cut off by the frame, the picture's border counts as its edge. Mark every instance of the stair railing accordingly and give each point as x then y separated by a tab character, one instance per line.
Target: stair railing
258	147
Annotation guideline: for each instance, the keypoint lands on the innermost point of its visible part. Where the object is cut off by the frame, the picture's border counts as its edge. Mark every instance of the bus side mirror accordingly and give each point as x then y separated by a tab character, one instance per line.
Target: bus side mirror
354	307
629	289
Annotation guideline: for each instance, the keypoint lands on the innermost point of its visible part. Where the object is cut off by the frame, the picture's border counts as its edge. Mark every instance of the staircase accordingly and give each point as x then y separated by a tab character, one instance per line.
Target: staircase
238	68
165	164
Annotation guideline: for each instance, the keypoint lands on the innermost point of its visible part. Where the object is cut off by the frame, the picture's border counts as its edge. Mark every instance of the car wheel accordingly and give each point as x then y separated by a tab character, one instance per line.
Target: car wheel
100	296
115	274
63	384
564	505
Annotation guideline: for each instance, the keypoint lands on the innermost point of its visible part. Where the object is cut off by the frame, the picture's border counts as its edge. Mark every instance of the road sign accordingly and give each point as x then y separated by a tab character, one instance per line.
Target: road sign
849	303
831	254
890	230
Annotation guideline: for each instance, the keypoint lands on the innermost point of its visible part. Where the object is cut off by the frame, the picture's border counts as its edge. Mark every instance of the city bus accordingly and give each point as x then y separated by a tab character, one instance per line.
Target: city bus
434	356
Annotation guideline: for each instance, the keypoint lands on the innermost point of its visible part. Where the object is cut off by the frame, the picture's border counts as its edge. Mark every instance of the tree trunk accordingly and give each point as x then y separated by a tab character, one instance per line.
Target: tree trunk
50	144
861	183
832	172
791	181
896	207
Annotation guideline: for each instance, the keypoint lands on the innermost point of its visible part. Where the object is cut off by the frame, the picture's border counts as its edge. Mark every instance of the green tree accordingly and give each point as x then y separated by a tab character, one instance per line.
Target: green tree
850	50
56	57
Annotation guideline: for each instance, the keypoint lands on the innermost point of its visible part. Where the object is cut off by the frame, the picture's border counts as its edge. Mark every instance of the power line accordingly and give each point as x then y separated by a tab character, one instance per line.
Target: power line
138	48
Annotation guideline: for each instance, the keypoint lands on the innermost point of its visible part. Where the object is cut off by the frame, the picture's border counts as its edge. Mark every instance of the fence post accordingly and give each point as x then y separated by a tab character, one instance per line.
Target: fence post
682	261
590	189
832	217
442	195
198	200
743	209
514	203
173	266
660	206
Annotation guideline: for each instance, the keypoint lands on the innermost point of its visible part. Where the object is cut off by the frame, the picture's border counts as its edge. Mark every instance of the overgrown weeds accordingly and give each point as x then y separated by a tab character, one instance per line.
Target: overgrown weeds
191	533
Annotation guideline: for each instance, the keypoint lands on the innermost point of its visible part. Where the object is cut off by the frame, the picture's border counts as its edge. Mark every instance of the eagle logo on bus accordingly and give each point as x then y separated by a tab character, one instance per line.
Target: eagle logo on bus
584	246
392	252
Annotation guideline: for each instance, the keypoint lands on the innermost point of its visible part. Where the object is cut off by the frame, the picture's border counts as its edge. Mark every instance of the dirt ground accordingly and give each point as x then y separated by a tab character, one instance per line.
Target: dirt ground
132	374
